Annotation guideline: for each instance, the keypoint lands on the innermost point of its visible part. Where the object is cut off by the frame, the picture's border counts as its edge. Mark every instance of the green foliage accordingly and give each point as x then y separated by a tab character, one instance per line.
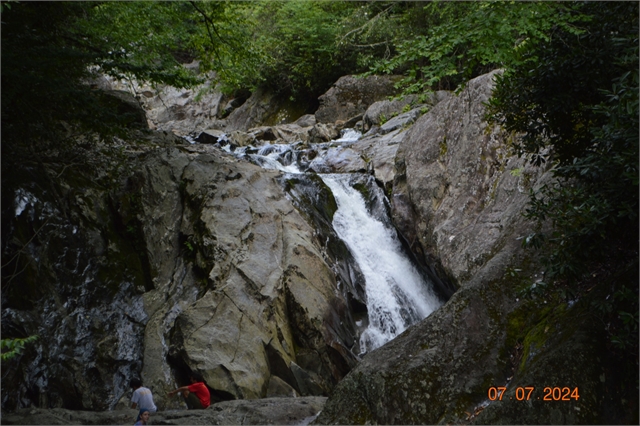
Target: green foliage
516	172
12	347
6	4
51	50
625	331
138	39
372	30
466	39
585	123
294	46
223	43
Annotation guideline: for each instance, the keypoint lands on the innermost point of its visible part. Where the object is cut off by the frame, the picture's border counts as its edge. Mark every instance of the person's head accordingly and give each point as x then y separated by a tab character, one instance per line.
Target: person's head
196	377
135	383
144	415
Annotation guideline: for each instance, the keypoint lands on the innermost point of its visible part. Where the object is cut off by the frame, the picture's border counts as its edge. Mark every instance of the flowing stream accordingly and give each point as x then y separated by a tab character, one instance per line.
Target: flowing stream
397	294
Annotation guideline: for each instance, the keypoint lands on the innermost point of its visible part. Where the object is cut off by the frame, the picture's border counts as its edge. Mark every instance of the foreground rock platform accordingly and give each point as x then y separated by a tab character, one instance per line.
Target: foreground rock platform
279	411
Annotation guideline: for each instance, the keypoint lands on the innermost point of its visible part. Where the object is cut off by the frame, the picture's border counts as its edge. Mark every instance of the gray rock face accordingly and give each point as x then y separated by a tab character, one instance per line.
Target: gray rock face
127	107
210	136
241	138
306	120
283	133
181	111
381	150
264	285
322	132
385	110
264	108
460	181
351	96
266	264
195	262
400	121
339	160
192	111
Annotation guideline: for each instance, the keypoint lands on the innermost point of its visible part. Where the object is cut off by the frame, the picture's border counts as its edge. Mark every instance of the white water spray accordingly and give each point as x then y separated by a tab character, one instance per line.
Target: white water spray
397	295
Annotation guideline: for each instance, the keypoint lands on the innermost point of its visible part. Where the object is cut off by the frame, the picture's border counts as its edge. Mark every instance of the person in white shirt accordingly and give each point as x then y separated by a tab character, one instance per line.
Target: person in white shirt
142	396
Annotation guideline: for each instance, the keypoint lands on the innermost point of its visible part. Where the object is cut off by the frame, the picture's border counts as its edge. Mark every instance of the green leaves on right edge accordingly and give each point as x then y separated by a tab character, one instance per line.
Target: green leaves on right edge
573	101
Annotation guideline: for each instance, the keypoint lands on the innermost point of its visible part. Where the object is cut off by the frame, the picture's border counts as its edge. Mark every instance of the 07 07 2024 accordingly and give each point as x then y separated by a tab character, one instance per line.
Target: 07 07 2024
550	393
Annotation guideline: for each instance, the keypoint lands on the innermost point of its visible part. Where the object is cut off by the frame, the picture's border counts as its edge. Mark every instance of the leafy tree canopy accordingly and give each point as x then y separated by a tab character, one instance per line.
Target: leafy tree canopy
574	100
50	49
457	41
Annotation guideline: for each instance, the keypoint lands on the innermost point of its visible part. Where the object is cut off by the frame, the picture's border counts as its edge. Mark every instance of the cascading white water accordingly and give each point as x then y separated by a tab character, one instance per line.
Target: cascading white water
397	296
349	135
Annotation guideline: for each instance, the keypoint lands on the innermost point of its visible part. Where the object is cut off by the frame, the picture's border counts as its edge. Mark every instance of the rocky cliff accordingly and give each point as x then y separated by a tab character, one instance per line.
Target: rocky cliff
158	257
458	197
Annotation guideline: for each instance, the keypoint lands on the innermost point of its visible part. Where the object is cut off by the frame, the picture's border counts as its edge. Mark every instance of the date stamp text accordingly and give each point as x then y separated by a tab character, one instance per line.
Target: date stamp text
527	393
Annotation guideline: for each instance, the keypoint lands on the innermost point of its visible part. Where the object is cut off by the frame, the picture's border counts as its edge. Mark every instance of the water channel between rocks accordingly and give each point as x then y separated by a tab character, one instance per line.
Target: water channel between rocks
397	294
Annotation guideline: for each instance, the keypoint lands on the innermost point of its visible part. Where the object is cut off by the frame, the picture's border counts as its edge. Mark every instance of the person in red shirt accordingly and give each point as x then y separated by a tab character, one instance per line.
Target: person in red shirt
196	395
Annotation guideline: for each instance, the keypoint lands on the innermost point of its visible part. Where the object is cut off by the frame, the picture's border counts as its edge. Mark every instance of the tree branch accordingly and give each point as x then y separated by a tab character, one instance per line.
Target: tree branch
208	22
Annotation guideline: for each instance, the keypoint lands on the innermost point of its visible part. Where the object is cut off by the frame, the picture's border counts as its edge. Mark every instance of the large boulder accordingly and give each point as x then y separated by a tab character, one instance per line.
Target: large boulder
380	151
263	108
189	260
351	96
181	111
381	111
260	106
129	110
322	132
339	160
254	294
282	133
467	190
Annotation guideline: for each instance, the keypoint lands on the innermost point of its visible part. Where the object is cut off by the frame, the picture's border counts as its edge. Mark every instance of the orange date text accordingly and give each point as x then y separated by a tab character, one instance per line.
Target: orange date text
527	393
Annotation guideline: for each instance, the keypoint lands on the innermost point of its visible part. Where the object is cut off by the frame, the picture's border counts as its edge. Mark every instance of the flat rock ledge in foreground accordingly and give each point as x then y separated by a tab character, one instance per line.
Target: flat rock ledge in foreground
278	411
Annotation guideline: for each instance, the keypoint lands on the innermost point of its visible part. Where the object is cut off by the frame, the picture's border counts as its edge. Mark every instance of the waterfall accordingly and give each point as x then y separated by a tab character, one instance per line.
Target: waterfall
397	295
